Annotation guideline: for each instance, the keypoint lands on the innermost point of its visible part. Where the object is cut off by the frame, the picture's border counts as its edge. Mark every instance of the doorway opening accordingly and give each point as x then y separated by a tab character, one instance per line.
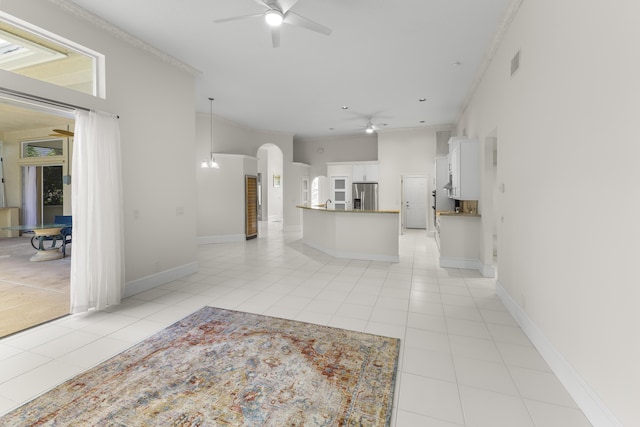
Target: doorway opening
319	190
35	165
42	194
271	195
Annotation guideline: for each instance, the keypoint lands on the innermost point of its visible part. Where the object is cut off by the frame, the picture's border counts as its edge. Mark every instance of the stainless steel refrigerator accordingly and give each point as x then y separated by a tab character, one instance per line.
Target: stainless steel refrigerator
365	196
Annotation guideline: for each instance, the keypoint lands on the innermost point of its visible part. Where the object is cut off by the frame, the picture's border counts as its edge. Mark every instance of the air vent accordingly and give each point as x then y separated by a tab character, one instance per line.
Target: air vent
515	63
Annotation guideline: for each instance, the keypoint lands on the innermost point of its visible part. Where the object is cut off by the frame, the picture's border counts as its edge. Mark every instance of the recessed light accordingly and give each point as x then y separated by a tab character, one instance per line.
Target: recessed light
331	128
344	107
457	63
422	99
422	121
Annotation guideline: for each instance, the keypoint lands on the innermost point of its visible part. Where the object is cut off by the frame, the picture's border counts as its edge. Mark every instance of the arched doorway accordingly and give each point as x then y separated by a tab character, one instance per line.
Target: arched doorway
319	190
270	186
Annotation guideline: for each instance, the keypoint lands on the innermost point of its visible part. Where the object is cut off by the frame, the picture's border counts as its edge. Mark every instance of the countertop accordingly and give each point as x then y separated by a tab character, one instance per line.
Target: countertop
452	213
322	209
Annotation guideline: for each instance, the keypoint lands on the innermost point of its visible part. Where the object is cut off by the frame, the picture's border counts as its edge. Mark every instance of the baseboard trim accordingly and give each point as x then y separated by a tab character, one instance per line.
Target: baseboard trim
159	279
488	270
226	238
353	255
587	400
468	264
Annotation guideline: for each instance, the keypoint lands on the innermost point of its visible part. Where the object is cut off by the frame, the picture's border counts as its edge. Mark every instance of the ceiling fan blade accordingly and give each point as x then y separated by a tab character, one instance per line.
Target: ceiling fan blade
275	36
64	132
293	18
286	5
237	18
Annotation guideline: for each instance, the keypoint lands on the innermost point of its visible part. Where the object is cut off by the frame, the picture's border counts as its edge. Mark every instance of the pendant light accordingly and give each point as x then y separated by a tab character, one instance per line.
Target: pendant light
211	163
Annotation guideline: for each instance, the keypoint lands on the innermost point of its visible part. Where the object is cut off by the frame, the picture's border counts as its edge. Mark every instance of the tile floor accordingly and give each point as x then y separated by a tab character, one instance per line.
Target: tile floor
463	362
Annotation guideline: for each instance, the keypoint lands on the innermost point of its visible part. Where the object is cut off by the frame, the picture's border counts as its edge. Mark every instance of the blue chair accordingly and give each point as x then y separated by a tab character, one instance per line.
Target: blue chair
65	233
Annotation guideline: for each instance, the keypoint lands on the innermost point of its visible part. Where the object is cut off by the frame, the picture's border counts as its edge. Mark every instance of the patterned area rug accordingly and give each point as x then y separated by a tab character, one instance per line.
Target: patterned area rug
226	368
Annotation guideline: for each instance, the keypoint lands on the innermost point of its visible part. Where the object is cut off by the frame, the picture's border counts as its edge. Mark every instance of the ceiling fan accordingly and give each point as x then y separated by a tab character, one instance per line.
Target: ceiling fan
277	12
370	127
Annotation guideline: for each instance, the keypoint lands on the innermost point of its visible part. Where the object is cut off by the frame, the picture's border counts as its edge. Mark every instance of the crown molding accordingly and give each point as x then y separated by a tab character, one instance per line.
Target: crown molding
507	18
120	34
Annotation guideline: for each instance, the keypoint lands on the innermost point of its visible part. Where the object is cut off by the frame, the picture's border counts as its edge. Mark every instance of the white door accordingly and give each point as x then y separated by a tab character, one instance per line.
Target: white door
415	201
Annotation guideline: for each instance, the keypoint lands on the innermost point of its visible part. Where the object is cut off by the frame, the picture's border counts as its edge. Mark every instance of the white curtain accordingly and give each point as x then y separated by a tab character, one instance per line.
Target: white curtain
97	261
30	190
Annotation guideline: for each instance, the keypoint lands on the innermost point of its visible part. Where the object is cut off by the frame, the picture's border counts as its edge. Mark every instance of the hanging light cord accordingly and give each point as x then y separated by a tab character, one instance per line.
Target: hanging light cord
211	123
212	162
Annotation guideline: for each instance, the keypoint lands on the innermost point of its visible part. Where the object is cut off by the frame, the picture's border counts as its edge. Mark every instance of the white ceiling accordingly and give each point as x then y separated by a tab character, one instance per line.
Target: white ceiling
381	58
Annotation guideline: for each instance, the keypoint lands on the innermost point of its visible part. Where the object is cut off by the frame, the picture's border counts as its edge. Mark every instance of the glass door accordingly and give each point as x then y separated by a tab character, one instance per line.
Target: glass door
42	194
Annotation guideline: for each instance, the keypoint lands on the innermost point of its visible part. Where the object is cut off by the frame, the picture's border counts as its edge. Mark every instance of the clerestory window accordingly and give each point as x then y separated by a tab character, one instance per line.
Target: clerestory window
36	53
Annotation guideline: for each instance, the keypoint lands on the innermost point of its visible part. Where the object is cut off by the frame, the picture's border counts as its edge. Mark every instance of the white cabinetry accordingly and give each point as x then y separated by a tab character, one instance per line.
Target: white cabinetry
464	168
342	175
365	172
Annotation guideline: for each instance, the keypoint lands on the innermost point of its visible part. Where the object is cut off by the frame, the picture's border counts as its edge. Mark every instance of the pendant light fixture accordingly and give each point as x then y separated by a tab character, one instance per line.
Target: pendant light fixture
211	163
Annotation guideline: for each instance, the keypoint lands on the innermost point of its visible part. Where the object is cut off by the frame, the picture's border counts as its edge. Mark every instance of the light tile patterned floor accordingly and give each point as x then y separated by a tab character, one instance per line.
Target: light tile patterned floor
463	362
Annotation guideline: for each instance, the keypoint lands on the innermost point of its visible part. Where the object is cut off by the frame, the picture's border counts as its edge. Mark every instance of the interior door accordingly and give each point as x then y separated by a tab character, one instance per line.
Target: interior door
415	201
341	194
251	206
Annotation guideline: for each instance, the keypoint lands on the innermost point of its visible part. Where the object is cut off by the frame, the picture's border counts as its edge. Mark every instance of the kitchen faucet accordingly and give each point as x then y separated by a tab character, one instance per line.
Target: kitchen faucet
326	204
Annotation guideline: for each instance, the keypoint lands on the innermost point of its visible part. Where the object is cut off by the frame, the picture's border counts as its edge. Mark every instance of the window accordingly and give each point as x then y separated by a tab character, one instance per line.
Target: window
35	53
44	148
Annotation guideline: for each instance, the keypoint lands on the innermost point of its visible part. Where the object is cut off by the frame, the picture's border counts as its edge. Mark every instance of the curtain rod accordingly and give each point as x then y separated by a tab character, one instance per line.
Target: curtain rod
42	100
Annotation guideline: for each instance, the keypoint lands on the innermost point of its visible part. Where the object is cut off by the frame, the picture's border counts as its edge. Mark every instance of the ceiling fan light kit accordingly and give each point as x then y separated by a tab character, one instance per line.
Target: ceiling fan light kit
273	17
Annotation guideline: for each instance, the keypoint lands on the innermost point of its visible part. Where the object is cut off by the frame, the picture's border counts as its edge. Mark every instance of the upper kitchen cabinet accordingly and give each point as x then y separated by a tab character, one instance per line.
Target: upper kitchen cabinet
464	169
365	172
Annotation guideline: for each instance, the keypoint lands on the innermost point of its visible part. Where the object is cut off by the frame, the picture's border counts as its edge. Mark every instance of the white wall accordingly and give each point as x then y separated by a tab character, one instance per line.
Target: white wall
318	151
156	107
405	151
275	167
221	199
567	156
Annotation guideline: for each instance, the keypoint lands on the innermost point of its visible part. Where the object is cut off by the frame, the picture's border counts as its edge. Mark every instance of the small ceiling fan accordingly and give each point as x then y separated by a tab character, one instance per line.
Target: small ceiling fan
278	12
370	127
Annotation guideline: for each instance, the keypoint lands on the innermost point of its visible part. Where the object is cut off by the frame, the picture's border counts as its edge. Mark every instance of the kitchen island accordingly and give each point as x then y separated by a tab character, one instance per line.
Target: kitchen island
352	234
